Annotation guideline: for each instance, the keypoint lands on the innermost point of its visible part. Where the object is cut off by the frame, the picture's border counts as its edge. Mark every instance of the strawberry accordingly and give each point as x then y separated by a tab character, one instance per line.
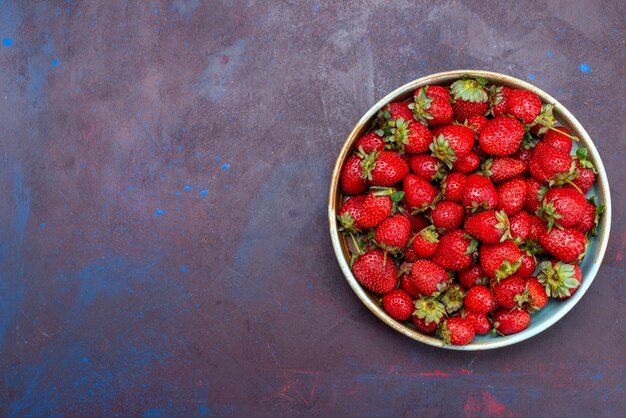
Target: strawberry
544	121
418	221
406	283
452	187
479	322
586	172
398	304
472	276
534	297
455	251
479	300
370	142
452	142
498	100
350	214
520	226
374	272
507	322
512	195
507	292
424	327
560	138
477	122
499	260
394	111
479	193
501	169
452	298
431	109
410	255
457	331
427	167
352	181
418	139
524	154
384	168
393	234
502	136
534	194
538	227
470	98
437	91
375	209
562	207
567	244
466	164
560	279
489	227
528	265
551	165
447	216
419	194
428	314
428	278
524	105
590	217
425	242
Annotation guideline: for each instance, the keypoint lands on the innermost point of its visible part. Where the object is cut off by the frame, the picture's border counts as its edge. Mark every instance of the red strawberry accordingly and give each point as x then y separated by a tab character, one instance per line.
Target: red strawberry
537	228
479	300
534	297
418	139
428	278
426	166
455	251
352	180
508	292
375	272
489	227
498	100
452	187
559	138
472	276
502	136
419	194
452	142
499	260
418	221
507	322
544	121
520	226
479	322
567	244
470	98
512	195
447	216
562	207
466	164
477	122
590	217
424	327
586	172
524	105
524	154
428	314
393	233
437	91
370	142
457	331
425	242
551	165
384	168
560	279
431	109
479	193
395	111
452	299
398	304
410	255
406	283
375	210
528	266
534	194
350	214
501	169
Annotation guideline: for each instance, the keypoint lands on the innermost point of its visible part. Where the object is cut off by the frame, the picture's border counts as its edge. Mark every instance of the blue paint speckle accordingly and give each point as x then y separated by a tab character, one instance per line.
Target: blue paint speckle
180	148
549	54
156	10
204	192
217	158
584	68
131	188
85	360
55	62
225	166
310	285
159	212
596	376
532	76
177	194
42	225
183	269
186	188
7	42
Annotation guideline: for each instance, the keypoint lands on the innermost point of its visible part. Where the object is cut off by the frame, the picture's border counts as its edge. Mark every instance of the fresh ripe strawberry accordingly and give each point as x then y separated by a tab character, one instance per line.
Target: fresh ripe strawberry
452	298
477	122
534	194
538	227
447	216
555	138
410	255
425	242
528	266
479	322
550	164
586	172
352	180
393	233
398	304
567	244
560	279
384	168
418	221
472	276
426	166
562	207
512	195
466	164
457	331
479	300
499	260
507	292
397	110
452	187
479	193
431	109
406	283
520	226
438	91
489	227
452	142
534	297
350	214
455	251
424	327
507	322
428	314
501	169
498	100
524	154
428	278
375	272
419	194
418	138
370	142
590	217
470	98
502	136
524	105
544	121
375	210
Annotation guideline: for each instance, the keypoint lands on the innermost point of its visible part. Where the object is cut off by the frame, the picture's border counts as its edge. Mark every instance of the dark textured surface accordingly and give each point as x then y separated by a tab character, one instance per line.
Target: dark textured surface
165	166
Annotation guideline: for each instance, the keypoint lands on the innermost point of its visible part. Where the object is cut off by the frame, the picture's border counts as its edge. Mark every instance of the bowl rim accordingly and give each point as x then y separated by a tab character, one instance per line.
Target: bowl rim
567	119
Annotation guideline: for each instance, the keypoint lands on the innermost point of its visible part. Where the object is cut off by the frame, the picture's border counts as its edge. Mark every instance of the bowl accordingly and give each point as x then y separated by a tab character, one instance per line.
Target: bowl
554	310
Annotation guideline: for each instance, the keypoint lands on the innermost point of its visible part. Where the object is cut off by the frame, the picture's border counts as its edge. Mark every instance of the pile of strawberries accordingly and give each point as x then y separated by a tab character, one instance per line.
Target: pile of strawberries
466	211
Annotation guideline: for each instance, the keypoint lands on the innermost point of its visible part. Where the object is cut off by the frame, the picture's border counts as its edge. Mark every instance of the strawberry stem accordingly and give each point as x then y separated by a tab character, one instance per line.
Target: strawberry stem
358	249
571	183
573	138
